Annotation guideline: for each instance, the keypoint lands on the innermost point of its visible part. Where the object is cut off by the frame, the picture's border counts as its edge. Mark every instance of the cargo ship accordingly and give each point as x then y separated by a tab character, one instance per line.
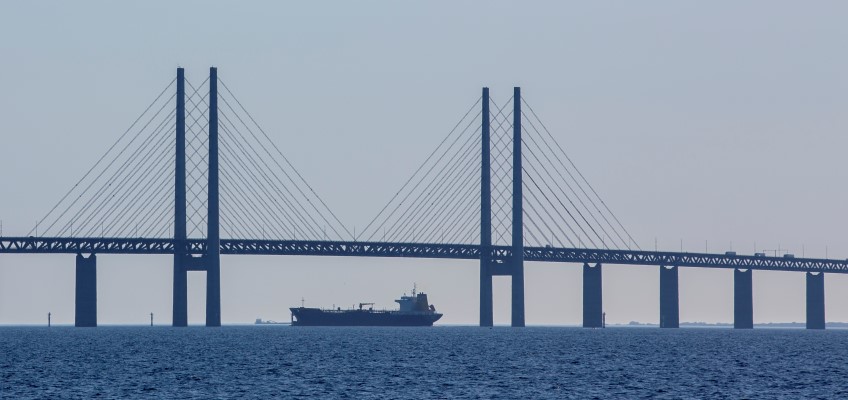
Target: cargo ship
414	310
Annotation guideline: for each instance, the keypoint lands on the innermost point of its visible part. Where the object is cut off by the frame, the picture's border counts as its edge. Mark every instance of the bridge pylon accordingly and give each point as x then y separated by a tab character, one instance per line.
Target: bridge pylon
517	215
513	268
183	259
213	231
180	300
486	318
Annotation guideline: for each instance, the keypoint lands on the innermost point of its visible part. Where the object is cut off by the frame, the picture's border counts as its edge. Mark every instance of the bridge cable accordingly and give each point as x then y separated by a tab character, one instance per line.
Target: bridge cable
266	204
154	205
240	184
260	171
533	197
532	140
146	204
420	167
423	177
197	160
302	207
245	207
530	204
255	196
581	175
115	191
138	170
577	210
120	138
96	179
501	173
102	190
243	203
459	198
306	227
416	206
456	230
456	198
453	166
455	194
227	89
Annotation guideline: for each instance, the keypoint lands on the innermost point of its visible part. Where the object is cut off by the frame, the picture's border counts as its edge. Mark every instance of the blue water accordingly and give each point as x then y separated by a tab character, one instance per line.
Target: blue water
411	363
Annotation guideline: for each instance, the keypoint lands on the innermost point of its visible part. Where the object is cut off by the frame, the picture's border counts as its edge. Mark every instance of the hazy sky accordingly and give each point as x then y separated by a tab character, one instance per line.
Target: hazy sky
719	121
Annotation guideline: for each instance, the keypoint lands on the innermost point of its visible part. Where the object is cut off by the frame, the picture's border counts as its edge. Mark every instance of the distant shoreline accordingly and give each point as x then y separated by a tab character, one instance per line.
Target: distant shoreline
632	324
730	324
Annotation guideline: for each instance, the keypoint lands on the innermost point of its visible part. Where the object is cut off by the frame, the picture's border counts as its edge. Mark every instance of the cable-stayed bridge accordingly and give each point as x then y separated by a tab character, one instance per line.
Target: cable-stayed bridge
196	176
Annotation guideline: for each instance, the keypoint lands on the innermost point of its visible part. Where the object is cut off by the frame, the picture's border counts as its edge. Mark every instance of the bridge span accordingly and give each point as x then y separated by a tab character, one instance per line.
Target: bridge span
499	254
501	264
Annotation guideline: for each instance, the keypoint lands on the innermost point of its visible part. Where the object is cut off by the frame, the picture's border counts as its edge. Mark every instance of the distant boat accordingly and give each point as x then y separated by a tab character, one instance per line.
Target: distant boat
259	321
414	310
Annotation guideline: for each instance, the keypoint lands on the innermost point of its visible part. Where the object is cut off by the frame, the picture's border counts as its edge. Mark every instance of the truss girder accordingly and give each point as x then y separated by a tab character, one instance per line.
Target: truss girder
45	245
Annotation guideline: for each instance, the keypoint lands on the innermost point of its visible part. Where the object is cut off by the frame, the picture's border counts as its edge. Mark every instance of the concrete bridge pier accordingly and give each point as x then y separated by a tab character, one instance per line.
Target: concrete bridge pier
486	303
669	298
743	299
518	293
593	310
180	300
815	300
86	292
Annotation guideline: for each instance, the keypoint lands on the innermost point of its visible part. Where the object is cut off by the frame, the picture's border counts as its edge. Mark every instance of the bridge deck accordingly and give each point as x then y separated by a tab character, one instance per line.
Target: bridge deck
45	245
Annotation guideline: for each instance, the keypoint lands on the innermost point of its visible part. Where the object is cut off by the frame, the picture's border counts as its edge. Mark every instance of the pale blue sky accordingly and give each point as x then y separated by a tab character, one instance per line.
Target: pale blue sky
701	121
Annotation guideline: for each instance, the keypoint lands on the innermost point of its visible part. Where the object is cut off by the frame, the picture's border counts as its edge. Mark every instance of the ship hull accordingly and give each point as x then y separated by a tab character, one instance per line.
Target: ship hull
317	317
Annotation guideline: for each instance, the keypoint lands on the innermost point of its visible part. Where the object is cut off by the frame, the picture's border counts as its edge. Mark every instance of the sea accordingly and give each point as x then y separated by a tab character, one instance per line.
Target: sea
441	362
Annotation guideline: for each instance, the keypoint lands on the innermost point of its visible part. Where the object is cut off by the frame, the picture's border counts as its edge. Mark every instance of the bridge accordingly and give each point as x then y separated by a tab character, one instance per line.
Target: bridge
195	176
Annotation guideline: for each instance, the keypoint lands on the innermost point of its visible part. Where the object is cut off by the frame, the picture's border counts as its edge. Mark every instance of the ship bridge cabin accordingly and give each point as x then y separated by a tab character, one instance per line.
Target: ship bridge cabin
416	302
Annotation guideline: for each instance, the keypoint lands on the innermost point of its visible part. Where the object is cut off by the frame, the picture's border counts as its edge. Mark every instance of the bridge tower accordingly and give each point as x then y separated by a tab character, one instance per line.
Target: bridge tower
486	318
180	301
514	267
517	215
213	239
183	260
